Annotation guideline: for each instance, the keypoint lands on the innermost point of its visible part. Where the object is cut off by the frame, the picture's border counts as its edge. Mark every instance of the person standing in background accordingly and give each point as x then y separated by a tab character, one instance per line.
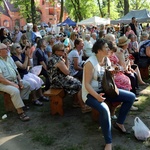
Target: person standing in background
133	25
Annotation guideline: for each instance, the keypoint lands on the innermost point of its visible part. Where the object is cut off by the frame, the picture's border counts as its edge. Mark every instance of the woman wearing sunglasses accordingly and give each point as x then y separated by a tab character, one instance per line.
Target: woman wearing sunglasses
22	61
59	76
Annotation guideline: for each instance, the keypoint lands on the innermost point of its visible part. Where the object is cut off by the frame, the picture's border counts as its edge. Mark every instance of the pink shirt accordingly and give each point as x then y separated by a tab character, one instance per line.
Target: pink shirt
129	32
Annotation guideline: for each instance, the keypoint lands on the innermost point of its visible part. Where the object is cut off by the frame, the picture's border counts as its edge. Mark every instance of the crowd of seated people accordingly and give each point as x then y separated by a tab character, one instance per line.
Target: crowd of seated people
61	57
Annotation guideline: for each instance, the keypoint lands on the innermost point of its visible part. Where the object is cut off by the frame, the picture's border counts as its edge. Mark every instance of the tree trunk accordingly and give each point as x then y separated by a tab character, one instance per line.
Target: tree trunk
100	10
126	6
33	12
62	11
108	8
76	6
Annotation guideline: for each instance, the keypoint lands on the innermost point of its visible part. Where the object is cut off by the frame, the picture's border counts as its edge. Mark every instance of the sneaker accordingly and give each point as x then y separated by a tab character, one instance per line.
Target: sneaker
133	108
136	99
114	117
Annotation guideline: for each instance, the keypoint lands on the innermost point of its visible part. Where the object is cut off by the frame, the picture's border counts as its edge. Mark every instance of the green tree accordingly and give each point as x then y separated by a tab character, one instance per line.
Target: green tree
28	10
139	4
80	10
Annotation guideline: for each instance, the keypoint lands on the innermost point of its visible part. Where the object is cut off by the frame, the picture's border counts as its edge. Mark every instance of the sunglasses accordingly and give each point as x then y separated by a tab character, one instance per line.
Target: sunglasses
18	47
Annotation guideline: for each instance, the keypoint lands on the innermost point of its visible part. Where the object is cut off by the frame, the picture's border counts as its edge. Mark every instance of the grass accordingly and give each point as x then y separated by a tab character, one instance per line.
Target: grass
39	135
73	147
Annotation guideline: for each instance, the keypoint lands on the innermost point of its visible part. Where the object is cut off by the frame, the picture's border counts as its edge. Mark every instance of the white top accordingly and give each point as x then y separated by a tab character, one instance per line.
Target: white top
96	78
8	69
74	54
92	40
88	48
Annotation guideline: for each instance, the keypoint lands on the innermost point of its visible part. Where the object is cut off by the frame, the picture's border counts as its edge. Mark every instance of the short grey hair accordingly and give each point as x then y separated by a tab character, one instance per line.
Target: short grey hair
87	36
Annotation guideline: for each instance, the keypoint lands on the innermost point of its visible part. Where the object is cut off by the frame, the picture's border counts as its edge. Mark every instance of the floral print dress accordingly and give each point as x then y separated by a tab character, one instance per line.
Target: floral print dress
121	80
59	80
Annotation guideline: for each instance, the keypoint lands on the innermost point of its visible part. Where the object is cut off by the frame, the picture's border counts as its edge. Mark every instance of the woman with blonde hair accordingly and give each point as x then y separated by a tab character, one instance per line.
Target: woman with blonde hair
72	38
50	39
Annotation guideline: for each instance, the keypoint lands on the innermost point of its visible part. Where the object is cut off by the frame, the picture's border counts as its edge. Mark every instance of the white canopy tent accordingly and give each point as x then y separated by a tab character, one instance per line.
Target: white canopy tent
94	21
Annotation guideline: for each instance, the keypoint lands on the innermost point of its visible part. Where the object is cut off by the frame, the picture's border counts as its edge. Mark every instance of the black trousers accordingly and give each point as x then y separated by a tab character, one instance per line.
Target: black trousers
134	81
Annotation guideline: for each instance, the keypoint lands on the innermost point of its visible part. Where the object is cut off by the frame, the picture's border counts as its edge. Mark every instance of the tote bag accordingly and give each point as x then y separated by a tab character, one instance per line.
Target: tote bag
108	83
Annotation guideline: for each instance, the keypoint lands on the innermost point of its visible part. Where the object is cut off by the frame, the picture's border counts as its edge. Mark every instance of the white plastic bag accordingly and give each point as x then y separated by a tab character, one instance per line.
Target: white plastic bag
36	70
141	131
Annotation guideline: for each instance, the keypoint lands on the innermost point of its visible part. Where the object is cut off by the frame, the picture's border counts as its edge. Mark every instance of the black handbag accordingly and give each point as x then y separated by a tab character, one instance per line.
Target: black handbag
108	84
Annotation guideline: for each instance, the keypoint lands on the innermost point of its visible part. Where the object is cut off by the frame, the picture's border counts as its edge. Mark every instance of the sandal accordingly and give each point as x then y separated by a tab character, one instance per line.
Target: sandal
86	109
37	103
23	117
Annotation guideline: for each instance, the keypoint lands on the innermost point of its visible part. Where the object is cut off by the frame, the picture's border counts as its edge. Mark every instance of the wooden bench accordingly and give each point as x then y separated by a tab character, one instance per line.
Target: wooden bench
144	72
56	100
7	102
112	107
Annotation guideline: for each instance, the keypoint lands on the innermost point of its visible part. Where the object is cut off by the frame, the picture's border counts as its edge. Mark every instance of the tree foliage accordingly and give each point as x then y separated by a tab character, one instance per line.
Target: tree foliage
79	10
82	9
28	10
113	9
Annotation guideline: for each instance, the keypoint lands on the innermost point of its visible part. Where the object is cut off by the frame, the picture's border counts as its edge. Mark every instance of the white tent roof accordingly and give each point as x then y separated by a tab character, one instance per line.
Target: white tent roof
94	21
140	15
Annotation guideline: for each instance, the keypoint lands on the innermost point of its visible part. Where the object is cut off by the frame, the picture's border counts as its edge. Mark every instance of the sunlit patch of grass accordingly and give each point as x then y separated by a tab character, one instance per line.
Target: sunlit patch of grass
143	102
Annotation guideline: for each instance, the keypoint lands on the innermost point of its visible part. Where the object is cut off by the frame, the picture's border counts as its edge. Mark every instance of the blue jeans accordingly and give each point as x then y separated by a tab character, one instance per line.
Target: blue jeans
127	98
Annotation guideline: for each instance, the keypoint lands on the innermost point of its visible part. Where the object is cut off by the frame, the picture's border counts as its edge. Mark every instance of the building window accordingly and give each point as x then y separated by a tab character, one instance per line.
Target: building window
51	11
43	2
6	23
17	22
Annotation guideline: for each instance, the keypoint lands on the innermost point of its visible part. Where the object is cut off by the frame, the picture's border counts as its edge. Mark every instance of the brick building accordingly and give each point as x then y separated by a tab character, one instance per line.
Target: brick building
10	16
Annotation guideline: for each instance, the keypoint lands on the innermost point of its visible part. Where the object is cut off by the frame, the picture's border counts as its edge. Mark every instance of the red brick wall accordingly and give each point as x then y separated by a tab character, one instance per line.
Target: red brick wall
45	16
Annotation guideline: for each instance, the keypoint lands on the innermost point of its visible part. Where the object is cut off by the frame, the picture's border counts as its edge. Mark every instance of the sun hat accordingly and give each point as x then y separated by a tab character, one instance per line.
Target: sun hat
123	40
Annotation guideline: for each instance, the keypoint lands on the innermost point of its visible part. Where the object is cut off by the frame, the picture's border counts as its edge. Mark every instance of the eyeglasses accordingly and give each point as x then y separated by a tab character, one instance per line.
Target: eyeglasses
18	47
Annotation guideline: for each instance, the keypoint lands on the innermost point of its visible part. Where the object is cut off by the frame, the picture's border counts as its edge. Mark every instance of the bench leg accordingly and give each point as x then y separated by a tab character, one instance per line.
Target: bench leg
95	114
56	105
8	103
144	73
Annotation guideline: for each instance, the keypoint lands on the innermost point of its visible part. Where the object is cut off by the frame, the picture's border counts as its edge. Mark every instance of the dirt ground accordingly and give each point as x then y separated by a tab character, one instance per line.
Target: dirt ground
73	131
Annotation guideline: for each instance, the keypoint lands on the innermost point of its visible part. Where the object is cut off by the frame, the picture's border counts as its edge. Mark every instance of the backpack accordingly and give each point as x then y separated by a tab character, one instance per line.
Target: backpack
143	58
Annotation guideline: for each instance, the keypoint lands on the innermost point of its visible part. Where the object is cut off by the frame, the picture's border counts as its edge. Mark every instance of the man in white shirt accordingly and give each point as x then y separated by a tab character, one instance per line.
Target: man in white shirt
93	38
49	28
11	83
